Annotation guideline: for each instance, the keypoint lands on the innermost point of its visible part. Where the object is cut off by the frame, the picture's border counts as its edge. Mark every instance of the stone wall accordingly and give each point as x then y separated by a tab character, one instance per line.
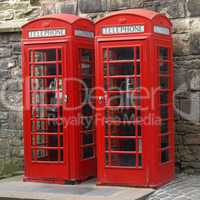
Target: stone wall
185	16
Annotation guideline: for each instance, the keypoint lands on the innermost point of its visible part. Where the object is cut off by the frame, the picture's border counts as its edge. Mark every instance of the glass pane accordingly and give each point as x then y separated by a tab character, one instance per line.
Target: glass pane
46	84
140	145
164	141
121	53
46	98
86	55
123	160
122	99
164	82
122	114
44	55
121	129
138	52
121	69
86	70
46	70
163	53
140	160
87	138
164	126
88	152
123	144
46	155
165	156
47	126
106	159
164	97
120	84
46	112
139	130
164	112
138	68
164	67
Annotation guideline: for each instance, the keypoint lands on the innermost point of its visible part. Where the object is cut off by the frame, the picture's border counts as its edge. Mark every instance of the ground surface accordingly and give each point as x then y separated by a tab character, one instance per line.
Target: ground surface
14	188
183	188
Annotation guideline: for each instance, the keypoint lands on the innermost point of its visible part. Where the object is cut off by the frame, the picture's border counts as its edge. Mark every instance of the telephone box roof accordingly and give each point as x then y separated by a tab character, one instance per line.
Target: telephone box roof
148	14
62	17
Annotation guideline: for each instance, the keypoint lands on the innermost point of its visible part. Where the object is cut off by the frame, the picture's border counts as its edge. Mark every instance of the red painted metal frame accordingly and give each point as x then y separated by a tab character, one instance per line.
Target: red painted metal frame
153	173
72	168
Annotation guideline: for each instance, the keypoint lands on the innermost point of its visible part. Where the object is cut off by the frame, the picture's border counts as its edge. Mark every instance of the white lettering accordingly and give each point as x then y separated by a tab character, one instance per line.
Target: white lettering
47	33
123	29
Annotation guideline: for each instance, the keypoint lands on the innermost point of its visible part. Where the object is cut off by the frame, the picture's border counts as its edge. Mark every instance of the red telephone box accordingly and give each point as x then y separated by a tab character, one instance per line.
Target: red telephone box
58	68
134	77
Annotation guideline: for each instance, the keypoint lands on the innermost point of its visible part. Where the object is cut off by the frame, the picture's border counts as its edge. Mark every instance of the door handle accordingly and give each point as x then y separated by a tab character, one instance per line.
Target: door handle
65	98
100	99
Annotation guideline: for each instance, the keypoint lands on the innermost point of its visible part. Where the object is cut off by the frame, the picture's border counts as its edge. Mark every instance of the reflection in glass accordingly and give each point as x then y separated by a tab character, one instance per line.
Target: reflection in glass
123	160
163	53
123	144
125	53
121	69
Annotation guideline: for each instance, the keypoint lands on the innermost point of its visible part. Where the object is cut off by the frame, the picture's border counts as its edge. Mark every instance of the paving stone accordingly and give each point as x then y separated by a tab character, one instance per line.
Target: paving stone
183	188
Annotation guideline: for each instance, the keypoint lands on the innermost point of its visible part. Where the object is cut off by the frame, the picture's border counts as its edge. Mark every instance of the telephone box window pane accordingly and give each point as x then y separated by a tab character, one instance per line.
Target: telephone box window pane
122	99
86	55
121	53
123	145
87	123
140	145
46	112
106	159
139	130
164	112
164	68
122	129
86	69
164	82
87	110
45	55
87	138
164	97
123	160
122	114
105	54
46	84
164	127
88	152
47	141
164	141
163	53
120	84
138	53
46	154
44	70
138	68
46	98
121	69
140	160
165	156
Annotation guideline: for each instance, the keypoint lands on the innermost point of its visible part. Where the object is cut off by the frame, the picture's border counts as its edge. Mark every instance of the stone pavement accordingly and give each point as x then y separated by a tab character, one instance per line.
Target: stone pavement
184	187
15	188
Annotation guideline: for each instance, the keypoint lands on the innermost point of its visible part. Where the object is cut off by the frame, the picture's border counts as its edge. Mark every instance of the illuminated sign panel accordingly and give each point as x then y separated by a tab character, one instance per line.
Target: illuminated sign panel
123	29
161	30
82	33
47	33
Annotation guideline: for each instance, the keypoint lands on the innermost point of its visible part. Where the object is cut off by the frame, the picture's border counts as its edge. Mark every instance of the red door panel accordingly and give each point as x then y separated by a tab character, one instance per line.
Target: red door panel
46	148
122	152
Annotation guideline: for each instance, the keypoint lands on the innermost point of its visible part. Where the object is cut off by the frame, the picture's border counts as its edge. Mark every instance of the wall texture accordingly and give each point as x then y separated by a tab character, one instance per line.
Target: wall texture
185	16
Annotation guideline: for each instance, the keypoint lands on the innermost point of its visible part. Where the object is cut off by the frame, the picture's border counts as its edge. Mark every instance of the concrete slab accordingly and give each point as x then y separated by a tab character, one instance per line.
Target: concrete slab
15	188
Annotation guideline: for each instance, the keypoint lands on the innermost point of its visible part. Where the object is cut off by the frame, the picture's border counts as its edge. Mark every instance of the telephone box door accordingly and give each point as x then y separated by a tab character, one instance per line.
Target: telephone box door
46	148
119	106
